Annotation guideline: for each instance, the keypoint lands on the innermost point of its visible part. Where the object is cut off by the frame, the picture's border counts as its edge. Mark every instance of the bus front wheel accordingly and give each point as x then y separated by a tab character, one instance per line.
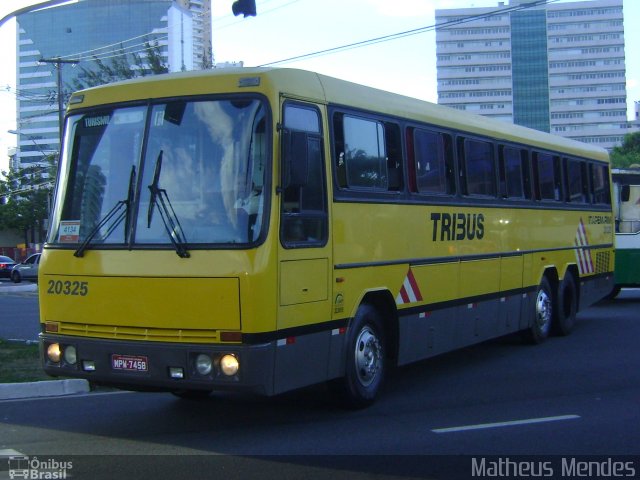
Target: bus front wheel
543	313
365	358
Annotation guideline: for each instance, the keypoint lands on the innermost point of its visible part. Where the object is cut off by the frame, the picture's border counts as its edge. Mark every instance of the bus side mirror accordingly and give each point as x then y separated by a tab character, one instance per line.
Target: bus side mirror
625	193
295	158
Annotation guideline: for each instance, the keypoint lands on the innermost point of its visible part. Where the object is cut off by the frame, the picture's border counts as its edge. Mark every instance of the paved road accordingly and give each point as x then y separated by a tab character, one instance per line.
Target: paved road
19	315
569	396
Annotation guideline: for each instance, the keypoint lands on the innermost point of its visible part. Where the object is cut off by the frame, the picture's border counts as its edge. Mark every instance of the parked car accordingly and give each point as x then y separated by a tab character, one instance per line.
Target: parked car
27	270
6	265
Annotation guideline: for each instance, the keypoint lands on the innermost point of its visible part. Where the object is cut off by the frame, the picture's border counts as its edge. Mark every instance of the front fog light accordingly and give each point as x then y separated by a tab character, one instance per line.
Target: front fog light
70	355
229	365
203	364
54	352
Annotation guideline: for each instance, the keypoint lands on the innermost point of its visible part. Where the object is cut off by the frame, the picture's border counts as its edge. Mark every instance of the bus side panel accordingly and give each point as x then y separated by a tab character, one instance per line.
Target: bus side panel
447	324
301	361
478	317
510	303
430	329
423	335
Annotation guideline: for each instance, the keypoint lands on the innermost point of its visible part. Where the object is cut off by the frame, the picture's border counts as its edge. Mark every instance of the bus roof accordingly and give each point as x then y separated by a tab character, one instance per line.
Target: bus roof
328	90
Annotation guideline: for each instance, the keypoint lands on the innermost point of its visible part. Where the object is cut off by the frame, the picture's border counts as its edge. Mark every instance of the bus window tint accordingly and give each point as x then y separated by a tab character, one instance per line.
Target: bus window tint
393	147
304	119
600	184
364	153
512	172
576	185
479	168
430	162
547	169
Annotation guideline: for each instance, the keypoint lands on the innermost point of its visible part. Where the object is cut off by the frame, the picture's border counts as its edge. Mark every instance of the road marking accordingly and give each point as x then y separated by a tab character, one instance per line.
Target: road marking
10	453
511	423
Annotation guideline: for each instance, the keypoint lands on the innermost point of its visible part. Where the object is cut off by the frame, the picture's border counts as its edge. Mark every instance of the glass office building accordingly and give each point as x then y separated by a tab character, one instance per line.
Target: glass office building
558	68
95	28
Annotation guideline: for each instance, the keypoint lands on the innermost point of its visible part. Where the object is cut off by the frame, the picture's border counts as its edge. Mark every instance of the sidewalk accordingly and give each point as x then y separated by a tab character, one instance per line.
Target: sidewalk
7	286
46	388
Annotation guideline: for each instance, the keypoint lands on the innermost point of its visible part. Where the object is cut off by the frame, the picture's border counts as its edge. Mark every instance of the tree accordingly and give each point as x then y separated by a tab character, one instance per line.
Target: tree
120	68
628	153
25	200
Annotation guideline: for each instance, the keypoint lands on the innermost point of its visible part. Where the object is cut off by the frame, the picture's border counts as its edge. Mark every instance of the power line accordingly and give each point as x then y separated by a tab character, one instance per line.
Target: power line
123	51
407	33
87	52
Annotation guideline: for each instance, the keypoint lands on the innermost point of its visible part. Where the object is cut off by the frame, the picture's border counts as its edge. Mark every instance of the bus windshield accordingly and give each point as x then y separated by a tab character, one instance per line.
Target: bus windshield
181	173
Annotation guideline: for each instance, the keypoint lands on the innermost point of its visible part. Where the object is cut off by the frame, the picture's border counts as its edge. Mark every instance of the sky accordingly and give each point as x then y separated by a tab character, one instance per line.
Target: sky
288	28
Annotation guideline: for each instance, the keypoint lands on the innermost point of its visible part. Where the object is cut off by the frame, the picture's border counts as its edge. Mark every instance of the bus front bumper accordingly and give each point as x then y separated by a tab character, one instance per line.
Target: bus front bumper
160	366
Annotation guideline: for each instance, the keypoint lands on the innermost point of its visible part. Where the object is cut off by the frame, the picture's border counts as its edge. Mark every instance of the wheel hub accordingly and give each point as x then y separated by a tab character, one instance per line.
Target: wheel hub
543	311
368	356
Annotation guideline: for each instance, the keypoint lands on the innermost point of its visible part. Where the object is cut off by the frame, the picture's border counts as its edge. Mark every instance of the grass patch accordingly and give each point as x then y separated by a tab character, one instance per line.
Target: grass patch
20	362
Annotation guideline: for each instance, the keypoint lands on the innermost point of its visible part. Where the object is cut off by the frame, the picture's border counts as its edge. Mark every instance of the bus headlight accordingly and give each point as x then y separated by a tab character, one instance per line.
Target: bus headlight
70	355
229	365
54	352
203	364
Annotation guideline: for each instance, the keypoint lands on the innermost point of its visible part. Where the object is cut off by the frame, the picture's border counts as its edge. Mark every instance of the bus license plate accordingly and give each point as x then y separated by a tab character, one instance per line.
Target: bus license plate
129	363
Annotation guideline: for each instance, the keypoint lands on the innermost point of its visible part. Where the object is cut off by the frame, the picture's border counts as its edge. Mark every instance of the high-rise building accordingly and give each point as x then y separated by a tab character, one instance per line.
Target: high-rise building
558	67
89	29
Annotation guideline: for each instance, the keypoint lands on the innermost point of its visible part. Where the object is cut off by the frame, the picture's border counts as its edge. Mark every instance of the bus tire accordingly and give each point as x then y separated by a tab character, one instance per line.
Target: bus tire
365	359
543	313
565	320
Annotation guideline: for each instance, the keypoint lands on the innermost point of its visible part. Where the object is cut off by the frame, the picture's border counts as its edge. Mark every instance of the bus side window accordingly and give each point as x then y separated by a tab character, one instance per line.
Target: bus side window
601	193
513	172
339	152
304	207
477	167
548	177
394	155
576	187
361	153
431	162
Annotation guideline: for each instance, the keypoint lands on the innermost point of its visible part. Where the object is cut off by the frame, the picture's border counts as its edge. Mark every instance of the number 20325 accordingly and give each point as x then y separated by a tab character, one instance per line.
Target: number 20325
67	287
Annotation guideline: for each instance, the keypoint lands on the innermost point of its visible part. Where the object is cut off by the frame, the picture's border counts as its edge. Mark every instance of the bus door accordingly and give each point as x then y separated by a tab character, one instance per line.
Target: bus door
304	249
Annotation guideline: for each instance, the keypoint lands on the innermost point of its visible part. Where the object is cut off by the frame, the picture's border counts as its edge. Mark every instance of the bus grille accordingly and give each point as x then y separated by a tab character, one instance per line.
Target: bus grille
602	262
138	333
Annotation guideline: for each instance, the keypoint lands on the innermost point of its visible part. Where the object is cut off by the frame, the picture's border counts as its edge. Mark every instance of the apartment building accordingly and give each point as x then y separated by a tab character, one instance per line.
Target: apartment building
87	29
558	67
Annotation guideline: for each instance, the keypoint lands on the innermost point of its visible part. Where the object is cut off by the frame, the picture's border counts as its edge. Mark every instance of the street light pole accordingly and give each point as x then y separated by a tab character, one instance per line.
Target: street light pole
58	62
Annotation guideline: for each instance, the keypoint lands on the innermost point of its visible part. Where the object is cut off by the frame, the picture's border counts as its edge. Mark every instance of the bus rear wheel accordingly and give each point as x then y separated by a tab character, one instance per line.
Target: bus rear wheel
365	359
567	306
543	313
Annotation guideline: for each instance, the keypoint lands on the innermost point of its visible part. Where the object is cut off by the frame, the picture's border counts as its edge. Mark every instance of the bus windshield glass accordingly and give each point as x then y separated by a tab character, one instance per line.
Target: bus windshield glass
181	173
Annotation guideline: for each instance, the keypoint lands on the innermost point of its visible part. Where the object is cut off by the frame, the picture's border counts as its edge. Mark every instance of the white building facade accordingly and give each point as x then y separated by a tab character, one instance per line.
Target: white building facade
558	68
95	28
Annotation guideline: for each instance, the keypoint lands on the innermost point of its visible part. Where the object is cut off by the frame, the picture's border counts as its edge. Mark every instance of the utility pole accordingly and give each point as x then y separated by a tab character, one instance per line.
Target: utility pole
58	62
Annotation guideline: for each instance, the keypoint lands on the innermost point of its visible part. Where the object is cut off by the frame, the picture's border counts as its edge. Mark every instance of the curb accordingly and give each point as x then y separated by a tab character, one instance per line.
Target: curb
46	388
32	287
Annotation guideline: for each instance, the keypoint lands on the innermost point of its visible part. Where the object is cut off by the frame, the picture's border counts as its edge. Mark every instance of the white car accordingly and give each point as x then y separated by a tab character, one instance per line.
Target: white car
27	270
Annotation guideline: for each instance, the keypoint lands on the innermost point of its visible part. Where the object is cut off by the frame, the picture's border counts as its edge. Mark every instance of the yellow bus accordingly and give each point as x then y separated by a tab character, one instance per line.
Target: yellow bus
261	230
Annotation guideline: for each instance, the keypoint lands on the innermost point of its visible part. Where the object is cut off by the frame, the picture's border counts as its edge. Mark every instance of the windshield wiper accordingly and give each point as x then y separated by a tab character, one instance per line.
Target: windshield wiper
167	213
118	212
